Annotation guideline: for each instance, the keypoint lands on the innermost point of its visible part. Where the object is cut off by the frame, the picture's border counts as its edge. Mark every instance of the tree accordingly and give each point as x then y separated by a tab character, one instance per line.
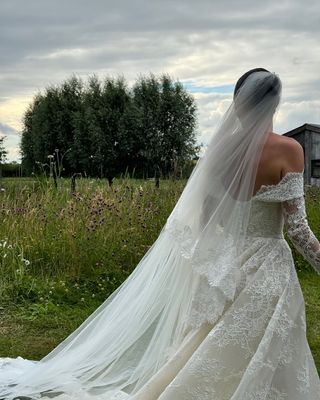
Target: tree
107	111
103	128
3	153
165	114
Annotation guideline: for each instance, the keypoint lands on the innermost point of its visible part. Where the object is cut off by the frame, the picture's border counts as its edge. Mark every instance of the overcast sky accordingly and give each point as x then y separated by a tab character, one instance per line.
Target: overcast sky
207	45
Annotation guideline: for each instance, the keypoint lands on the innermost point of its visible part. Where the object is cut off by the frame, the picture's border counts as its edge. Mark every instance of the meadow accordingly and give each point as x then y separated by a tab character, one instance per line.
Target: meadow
63	253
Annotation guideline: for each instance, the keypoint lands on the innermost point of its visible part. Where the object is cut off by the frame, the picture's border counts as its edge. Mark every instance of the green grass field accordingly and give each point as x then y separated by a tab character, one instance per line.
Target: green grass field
62	254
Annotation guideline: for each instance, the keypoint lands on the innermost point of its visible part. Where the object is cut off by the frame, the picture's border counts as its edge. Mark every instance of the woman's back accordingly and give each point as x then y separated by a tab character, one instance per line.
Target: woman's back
280	155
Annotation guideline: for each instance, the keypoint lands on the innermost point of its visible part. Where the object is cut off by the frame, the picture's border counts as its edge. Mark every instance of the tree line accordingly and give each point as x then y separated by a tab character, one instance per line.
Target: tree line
103	128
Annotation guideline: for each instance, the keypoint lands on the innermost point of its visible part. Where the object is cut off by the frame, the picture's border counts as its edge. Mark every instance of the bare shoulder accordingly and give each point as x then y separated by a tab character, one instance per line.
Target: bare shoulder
292	155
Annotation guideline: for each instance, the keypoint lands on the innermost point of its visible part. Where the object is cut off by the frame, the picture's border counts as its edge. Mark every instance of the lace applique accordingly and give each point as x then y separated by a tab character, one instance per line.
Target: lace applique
209	370
287	352
207	305
217	270
263	392
249	318
264	332
303	377
299	232
290	186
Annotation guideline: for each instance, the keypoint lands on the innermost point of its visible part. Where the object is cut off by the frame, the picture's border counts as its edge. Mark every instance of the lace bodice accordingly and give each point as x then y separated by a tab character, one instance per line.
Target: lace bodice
282	205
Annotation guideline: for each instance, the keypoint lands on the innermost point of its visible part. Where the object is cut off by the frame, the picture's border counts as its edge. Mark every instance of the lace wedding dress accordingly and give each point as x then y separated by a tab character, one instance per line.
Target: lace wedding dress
257	349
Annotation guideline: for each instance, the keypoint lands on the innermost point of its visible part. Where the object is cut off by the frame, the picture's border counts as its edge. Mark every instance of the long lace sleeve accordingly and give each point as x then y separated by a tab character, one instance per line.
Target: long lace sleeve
299	232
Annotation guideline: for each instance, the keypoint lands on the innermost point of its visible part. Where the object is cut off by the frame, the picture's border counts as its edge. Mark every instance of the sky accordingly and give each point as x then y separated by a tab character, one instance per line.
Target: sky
205	44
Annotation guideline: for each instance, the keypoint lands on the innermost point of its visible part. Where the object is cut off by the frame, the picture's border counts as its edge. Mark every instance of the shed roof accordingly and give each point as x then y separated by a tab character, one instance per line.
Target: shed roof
302	128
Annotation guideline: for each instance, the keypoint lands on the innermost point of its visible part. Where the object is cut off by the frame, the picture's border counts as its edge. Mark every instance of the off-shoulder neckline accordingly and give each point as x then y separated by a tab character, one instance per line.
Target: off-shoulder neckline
285	177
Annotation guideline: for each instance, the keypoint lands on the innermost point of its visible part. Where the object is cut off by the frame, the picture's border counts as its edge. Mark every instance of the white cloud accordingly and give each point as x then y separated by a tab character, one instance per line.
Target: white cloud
207	43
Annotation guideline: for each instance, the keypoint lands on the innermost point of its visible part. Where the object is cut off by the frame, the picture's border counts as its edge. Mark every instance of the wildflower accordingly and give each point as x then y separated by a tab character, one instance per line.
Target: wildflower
93	295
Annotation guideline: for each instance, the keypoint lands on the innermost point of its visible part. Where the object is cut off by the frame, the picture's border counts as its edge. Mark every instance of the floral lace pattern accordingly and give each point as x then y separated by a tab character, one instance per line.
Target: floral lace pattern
290	187
258	349
299	232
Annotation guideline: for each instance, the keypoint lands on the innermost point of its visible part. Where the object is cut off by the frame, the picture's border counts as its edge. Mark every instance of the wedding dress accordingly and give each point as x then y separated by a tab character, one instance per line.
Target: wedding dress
214	310
258	349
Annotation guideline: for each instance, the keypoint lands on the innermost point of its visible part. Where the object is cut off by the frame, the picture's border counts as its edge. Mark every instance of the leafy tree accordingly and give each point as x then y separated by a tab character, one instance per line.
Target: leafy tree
3	153
27	140
104	128
166	116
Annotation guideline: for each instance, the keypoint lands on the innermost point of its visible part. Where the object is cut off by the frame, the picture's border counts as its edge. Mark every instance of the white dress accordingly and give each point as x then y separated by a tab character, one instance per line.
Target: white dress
258	349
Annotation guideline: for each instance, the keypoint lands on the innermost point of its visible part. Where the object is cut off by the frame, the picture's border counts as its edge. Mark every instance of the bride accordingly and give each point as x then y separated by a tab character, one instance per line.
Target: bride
214	310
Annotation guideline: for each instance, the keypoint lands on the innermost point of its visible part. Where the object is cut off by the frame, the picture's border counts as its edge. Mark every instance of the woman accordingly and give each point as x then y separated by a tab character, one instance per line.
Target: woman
214	310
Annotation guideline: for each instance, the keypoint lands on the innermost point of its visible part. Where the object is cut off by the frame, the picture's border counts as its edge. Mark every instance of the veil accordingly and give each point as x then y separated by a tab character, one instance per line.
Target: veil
136	330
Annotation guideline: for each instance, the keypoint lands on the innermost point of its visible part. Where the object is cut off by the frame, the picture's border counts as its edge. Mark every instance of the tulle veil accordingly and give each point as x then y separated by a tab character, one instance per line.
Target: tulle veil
136	330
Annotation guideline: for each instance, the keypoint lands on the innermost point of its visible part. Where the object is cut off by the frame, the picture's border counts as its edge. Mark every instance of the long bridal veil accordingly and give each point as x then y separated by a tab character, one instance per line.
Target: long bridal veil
151	314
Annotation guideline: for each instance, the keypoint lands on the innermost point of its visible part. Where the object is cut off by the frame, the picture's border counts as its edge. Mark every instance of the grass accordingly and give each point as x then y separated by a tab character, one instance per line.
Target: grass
63	254
32	330
52	242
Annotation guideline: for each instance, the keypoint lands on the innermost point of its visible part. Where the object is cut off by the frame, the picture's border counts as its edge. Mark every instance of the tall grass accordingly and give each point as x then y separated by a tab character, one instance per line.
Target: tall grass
52	237
62	254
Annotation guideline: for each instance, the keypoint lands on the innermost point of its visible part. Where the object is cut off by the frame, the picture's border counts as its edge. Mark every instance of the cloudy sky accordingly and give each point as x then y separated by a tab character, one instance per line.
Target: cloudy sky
206	44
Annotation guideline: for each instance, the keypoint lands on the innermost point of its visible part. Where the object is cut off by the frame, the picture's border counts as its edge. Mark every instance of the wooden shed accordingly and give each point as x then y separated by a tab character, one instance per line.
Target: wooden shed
308	135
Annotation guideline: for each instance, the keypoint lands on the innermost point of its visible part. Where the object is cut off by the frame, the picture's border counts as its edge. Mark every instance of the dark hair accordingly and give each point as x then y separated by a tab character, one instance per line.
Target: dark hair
244	77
